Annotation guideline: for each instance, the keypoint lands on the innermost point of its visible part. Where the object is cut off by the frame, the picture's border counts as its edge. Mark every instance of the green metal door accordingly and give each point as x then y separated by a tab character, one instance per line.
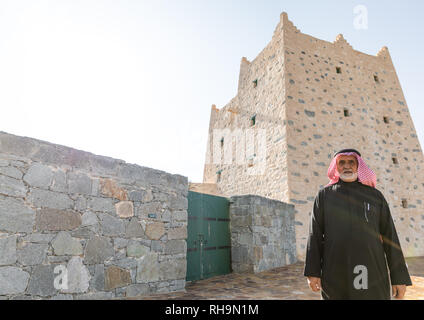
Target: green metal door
208	236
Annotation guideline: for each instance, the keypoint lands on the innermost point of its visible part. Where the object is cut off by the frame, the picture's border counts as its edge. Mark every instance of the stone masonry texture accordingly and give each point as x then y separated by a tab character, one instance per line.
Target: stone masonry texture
105	222
262	233
312	98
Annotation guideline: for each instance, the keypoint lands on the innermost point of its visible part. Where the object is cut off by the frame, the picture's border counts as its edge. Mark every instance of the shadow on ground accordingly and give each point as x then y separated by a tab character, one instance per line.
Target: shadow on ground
284	283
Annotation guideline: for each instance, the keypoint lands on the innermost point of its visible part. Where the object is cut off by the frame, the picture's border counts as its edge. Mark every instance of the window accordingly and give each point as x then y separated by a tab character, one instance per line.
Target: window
255	83
404	203
386	120
250	160
395	161
253	120
218	178
338	70
376	79
222	141
346	112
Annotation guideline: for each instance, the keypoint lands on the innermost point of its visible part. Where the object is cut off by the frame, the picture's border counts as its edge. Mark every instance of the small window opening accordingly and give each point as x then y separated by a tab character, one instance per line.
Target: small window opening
222	141
253	120
218	178
395	161
255	83
338	70
250	160
376	79
404	203
346	112
386	120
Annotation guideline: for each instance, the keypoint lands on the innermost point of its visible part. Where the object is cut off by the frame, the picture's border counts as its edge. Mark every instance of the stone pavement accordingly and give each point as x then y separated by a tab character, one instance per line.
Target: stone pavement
284	283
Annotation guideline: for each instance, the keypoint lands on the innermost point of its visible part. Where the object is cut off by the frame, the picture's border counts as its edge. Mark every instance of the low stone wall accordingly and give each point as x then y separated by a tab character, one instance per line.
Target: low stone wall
262	233
74	225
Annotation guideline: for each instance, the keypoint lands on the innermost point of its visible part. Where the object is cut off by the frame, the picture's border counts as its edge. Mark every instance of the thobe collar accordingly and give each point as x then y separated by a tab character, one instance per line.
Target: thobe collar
348	184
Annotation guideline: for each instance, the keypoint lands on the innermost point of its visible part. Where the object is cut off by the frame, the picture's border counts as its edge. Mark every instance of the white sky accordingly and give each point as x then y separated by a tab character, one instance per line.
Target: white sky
135	80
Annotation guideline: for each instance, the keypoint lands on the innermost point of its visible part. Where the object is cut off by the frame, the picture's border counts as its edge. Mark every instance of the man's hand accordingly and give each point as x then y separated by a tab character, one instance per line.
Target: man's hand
399	291
314	283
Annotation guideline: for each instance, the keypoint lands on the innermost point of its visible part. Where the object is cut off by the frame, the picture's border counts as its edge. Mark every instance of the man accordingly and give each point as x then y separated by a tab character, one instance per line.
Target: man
351	236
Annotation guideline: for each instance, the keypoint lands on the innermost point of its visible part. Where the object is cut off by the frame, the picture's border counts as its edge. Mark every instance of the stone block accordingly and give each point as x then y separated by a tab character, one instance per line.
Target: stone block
239	254
137	250
126	263
97	282
175	246
80	203
59	181
120	243
102	165
134	229
177	233
155	231
64	244
173	269
246	239
8	250
39	237
101	205
116	277
136	195
32	254
135	290
124	209
85	232
39	175
178	203
15	215
95	187
41	282
109	188
157	246
98	249
11	172
111	226
13	280
48	219
148	268
179	216
12	187
89	219
79	183
50	199
144	209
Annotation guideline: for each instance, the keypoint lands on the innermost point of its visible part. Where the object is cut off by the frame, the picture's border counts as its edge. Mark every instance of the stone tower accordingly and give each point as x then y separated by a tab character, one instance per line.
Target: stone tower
300	100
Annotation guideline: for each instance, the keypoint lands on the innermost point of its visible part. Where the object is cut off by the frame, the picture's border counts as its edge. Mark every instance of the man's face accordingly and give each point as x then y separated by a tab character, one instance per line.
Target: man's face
347	166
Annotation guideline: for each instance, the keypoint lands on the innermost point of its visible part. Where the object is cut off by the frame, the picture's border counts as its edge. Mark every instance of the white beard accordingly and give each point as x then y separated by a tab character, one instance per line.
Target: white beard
349	177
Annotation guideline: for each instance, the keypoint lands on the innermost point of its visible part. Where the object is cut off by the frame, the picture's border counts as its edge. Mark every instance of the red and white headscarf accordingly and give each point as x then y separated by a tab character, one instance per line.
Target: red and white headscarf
365	174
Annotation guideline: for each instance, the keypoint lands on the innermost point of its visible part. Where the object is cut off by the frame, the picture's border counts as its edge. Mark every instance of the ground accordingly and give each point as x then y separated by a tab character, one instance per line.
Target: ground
284	283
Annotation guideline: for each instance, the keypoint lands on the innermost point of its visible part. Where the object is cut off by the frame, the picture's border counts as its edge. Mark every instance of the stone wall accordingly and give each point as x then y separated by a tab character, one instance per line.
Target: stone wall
115	229
262	233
